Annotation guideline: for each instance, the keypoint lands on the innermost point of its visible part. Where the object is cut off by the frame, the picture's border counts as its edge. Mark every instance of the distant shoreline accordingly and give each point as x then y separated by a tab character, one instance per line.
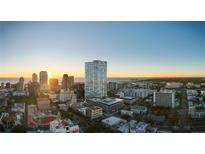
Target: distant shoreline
77	80
14	80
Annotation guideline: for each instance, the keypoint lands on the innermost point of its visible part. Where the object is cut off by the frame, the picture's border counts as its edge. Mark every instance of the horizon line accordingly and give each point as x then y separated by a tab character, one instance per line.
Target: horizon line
123	77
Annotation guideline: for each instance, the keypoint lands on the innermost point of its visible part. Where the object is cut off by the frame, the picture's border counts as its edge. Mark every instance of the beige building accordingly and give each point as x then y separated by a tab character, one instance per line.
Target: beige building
94	112
43	104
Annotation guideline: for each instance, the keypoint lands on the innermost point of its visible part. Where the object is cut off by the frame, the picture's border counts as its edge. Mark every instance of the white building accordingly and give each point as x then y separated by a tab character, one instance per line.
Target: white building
142	93
203	92
192	92
127	112
53	96
64	95
112	121
96	79
173	85
139	109
63	126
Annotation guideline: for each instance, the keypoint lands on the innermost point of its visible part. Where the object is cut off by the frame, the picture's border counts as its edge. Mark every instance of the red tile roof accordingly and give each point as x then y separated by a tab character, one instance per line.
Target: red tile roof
31	122
46	120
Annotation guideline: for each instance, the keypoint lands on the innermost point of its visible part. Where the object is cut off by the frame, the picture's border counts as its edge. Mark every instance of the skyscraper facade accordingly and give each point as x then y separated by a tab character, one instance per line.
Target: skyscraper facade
43	80
33	89
34	77
96	79
70	82
67	82
20	84
64	85
53	83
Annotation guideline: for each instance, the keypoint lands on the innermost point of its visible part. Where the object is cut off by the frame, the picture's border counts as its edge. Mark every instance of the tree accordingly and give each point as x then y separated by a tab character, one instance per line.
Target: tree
173	116
98	128
2	128
204	98
19	129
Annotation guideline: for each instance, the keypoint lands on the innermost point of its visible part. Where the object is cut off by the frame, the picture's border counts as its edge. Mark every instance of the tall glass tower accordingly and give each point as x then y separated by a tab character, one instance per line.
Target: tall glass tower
96	79
43	80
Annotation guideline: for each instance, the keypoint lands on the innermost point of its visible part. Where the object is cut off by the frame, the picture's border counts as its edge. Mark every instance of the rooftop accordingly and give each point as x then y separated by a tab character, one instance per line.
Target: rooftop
139	107
113	121
128	98
107	101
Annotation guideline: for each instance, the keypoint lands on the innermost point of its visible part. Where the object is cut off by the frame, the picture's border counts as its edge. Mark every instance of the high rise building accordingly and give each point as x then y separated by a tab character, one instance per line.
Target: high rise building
20	84
8	85
53	83
64	85
70	82
112	86
96	79
67	82
164	99
2	85
79	89
43	80
33	89
34	77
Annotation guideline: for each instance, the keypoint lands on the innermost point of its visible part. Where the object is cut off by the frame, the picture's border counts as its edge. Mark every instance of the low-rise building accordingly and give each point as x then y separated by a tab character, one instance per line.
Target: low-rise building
113	121
127	112
139	109
203	92
141	127
3	101
173	85
63	126
191	92
94	112
109	105
53	96
129	100
63	106
43	104
82	110
132	92
19	93
158	119
18	107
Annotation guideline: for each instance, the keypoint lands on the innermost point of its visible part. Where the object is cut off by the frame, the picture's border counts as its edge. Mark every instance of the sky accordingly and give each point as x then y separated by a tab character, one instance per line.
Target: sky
132	49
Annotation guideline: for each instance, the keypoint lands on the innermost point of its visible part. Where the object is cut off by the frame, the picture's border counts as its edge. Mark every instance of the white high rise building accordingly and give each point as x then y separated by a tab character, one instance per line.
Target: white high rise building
96	79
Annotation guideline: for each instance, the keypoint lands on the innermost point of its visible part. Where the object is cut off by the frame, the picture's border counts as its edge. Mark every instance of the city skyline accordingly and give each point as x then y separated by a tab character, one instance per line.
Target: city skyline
132	49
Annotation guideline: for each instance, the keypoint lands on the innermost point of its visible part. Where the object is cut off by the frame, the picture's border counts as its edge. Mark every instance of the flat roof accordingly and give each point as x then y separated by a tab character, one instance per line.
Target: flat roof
139	107
112	120
106	101
129	98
